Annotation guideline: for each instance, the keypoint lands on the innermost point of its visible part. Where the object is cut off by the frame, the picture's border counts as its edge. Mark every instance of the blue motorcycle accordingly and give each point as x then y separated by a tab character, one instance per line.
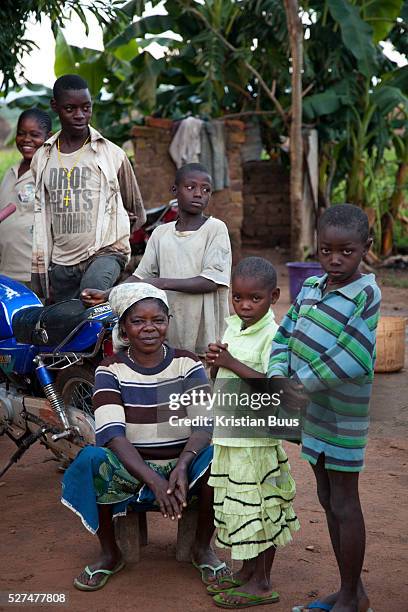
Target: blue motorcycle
48	356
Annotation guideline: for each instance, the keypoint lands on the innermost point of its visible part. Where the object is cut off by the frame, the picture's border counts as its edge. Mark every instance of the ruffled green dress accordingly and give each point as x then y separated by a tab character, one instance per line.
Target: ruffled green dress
253	487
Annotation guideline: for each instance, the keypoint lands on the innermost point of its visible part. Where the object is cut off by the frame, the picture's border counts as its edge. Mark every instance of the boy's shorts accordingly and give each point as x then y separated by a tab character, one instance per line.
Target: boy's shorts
67	282
335	457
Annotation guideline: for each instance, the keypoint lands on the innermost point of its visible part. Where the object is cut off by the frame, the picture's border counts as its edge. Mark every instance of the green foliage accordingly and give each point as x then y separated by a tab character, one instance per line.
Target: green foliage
148	70
329	101
381	15
8	157
14	15
356	33
355	96
155	24
201	73
89	64
39	96
401	238
388	98
397	78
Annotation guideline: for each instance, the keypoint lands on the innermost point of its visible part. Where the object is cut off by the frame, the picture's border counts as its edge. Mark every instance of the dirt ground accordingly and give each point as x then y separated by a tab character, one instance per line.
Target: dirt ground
43	545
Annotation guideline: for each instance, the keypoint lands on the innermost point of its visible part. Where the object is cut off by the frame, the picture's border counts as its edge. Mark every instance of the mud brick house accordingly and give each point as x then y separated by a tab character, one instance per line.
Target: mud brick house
255	206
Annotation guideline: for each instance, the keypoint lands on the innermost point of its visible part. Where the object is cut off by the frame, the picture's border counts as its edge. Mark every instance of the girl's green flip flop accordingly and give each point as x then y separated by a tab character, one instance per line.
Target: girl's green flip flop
223	584
249	600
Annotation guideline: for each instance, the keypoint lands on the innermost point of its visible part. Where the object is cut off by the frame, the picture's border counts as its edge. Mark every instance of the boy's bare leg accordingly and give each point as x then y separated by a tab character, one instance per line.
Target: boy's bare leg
324	490
346	508
110	554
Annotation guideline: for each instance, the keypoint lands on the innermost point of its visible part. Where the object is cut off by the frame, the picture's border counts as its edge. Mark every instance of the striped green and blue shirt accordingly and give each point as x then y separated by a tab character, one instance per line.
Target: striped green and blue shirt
327	343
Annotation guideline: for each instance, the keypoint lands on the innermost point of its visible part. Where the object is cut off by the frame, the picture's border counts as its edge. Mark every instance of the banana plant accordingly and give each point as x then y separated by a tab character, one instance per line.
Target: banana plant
357	95
231	58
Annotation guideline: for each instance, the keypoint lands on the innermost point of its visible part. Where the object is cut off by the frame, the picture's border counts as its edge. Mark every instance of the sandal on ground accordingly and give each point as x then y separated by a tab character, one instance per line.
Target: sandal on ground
313	605
222	585
106	575
250	600
317	605
210	571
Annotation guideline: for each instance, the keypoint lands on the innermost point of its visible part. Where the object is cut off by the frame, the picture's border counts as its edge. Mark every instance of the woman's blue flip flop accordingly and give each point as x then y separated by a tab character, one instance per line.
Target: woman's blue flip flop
314	605
318	605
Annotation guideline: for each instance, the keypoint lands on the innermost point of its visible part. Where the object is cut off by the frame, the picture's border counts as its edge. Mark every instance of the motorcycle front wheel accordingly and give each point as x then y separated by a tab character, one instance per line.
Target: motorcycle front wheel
76	387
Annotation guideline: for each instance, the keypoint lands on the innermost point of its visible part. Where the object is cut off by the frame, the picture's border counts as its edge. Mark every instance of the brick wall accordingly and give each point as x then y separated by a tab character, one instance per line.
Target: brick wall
266	204
155	171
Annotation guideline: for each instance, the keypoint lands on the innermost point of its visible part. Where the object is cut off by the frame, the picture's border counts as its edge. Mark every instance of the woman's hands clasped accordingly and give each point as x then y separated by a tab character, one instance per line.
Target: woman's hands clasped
169	503
178	484
171	494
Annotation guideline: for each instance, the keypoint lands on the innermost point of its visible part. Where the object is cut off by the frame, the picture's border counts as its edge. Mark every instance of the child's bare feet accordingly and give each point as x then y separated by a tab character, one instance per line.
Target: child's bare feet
344	603
237	579
350	605
246	571
330	600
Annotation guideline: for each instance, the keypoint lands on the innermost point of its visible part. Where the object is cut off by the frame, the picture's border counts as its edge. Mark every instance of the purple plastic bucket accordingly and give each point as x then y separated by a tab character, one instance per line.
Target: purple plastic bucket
299	271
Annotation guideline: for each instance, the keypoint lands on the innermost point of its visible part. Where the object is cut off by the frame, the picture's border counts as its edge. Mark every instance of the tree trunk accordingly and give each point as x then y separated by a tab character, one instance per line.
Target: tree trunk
398	197
296	143
396	205
355	183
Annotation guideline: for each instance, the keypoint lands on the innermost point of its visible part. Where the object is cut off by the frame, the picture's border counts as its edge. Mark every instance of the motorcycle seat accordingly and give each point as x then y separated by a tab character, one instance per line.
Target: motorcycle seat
49	325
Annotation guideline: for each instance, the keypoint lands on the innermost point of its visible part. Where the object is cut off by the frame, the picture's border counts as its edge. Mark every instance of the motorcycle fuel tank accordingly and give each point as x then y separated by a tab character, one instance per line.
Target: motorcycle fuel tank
13	297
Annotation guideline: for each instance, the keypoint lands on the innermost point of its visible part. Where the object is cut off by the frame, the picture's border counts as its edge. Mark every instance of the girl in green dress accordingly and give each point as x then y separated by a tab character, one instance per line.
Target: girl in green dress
253	487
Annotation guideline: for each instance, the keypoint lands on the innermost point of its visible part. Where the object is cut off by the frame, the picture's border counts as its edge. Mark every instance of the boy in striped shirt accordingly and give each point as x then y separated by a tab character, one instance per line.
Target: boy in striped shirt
326	347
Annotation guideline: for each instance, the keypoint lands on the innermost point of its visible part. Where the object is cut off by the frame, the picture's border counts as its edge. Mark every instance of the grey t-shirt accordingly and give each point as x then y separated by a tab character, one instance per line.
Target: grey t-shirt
73	212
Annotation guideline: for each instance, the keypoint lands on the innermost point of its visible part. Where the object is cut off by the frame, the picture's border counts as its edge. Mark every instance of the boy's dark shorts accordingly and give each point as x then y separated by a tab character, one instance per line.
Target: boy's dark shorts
102	272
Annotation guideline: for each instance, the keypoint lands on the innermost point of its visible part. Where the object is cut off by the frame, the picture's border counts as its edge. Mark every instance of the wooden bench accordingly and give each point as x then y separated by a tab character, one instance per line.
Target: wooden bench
131	534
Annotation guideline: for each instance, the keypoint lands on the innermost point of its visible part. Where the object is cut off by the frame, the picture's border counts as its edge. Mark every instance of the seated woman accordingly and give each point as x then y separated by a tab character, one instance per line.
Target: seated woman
140	458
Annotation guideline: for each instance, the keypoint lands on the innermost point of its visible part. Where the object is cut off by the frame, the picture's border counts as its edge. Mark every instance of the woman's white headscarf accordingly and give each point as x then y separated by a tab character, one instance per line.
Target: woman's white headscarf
123	297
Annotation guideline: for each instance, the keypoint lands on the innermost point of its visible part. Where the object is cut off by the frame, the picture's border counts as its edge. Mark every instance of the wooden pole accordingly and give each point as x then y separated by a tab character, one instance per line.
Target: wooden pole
295	31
